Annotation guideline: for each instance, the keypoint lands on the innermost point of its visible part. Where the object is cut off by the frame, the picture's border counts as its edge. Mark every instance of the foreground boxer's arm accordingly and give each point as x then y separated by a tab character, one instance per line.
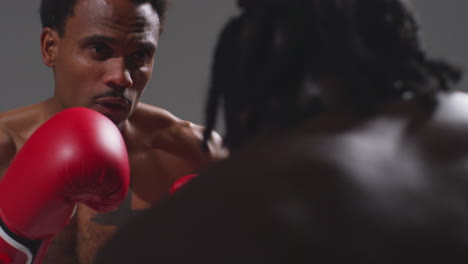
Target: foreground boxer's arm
77	156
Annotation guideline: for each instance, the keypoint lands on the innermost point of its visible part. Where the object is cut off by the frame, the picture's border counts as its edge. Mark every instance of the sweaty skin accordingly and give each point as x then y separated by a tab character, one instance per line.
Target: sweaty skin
104	61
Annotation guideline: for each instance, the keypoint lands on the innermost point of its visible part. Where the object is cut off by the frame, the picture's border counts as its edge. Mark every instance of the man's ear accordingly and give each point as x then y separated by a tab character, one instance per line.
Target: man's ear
49	46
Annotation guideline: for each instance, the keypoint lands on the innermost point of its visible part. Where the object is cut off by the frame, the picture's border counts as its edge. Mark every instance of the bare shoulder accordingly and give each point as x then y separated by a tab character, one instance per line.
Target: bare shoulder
7	150
20	120
193	135
153	117
8	120
15	128
452	112
167	130
444	133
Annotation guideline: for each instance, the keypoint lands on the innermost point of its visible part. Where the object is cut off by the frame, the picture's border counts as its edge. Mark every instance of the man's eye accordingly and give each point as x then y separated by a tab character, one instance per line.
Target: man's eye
141	58
101	51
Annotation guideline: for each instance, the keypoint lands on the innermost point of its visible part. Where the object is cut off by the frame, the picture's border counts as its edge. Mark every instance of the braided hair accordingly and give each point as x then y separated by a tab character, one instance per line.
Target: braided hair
268	55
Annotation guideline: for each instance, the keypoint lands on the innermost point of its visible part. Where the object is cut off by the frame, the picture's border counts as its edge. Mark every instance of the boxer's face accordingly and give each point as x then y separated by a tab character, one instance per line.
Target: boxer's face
104	60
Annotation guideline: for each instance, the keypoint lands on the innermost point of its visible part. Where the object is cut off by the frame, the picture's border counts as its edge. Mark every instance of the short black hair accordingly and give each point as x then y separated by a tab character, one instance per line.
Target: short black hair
54	13
267	55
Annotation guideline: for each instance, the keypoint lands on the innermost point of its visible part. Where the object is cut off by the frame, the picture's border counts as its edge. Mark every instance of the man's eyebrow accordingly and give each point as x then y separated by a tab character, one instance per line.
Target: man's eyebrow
98	38
147	46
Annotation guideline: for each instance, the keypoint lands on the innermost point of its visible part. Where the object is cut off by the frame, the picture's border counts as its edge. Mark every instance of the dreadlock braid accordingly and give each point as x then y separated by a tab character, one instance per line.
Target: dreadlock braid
223	74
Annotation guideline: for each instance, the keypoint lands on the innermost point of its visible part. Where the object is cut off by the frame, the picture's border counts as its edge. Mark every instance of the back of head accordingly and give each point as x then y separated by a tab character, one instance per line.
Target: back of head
54	13
275	62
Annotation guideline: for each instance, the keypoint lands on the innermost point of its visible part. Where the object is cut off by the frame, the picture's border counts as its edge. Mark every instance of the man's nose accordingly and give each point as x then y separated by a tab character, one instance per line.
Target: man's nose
118	75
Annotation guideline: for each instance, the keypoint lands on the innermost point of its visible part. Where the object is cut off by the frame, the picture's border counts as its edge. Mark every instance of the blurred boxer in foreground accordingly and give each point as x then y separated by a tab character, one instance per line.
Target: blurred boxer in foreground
347	146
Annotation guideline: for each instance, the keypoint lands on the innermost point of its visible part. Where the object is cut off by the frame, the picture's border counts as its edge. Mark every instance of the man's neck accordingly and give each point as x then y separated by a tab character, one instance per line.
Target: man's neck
51	107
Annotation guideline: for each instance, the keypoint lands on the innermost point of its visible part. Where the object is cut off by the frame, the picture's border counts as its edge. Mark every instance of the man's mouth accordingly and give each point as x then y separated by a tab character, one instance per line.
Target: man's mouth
115	108
113	102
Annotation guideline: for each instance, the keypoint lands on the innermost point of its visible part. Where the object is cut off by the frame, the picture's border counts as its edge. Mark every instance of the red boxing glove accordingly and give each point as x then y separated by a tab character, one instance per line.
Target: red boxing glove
181	182
77	156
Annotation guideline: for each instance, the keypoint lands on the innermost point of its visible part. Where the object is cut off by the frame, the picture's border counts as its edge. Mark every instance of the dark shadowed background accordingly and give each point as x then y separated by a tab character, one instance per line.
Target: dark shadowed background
184	56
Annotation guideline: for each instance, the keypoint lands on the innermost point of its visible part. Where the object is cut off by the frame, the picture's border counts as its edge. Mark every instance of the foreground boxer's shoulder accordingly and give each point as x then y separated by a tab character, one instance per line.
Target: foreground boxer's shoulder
443	133
451	115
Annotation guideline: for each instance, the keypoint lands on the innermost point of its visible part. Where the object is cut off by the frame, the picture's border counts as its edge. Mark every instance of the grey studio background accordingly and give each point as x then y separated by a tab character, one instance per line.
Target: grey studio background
184	56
